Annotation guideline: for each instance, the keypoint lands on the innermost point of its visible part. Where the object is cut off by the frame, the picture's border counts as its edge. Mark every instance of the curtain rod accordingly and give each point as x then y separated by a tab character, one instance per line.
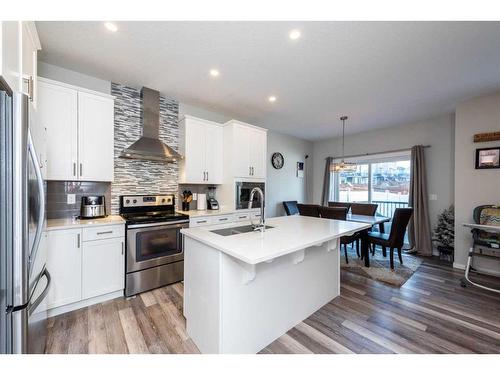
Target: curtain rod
375	153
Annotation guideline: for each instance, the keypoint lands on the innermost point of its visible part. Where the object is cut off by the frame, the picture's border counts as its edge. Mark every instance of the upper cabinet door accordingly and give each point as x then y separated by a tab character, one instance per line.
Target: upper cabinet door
95	137
213	153
9	54
258	153
242	137
30	47
194	165
57	112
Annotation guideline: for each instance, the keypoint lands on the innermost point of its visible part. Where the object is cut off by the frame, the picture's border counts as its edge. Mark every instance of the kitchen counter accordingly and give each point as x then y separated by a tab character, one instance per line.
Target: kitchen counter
243	291
289	234
222	211
54	224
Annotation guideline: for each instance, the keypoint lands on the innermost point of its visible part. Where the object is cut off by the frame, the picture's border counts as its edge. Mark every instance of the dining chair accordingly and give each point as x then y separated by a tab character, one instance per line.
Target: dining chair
291	207
308	209
367	209
336	213
339	204
395	239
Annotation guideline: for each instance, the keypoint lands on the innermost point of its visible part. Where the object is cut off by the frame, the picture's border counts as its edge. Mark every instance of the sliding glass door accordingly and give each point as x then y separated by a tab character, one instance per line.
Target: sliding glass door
384	181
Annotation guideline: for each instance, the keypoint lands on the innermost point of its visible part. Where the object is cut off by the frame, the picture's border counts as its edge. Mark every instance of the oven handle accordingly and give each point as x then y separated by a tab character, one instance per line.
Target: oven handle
162	224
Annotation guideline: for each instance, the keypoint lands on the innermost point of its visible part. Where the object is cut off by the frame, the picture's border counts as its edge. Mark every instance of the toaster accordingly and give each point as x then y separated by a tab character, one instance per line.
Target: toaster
93	206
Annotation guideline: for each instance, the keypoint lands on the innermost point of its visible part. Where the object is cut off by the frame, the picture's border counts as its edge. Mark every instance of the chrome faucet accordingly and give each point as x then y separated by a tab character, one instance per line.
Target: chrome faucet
262	225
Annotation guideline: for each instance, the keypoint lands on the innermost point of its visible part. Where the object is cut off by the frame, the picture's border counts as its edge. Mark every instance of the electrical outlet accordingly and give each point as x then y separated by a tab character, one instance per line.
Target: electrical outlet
195	196
70	199
433	197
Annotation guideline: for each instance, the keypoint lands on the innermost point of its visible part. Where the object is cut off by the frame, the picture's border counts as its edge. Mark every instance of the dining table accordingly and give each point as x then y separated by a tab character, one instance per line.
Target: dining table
373	220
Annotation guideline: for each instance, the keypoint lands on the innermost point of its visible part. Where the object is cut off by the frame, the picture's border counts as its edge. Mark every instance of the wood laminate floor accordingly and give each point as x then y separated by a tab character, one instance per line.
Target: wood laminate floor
431	313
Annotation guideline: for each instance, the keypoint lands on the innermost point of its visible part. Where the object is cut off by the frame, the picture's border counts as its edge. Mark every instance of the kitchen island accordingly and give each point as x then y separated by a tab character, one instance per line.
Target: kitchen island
243	290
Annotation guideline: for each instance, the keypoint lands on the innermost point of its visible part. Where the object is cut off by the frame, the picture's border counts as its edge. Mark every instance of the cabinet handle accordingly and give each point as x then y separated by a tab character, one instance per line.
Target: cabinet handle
242	217
122	247
223	219
201	222
249	171
74	169
81	169
207	176
78	240
107	232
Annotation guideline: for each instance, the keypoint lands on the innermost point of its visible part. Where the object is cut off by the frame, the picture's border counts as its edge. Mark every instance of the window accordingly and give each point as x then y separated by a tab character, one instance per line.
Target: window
384	180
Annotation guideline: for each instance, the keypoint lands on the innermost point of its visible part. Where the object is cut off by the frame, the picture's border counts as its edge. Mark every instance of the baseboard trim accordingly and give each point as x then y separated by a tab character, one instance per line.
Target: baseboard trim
459	266
85	303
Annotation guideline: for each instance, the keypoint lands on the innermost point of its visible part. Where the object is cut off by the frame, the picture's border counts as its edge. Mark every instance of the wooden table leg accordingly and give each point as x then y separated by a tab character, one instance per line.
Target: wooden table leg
364	247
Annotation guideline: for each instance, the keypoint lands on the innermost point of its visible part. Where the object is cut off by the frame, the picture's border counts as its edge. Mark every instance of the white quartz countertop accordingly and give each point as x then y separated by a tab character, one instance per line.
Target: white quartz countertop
221	211
54	224
288	235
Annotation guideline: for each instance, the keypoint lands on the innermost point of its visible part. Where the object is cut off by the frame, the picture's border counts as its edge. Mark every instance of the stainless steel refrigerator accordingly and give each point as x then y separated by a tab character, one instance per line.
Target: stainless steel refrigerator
24	279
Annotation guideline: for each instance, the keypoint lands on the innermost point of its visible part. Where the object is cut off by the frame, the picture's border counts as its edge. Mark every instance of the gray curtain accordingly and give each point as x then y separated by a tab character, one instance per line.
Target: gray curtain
326	182
419	231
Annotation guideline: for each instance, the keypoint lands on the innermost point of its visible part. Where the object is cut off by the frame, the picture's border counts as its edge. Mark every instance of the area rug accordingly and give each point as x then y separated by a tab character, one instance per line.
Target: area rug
380	267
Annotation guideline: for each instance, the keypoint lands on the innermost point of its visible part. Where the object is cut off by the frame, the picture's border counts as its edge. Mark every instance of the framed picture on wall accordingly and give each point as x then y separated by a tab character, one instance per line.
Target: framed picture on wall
487	158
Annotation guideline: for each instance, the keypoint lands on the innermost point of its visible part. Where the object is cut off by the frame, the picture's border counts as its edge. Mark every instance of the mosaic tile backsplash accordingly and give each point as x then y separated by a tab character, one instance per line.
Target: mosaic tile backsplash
142	176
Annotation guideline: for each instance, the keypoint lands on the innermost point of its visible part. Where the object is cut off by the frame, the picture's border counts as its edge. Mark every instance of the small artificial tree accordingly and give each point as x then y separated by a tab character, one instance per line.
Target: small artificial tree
444	233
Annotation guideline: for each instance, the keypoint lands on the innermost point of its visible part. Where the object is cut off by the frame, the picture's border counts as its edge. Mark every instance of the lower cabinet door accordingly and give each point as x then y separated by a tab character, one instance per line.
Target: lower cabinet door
64	263
103	267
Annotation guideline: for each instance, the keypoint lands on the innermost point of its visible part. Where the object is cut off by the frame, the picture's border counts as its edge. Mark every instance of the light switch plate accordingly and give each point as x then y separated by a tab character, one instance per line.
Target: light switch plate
70	199
433	197
195	196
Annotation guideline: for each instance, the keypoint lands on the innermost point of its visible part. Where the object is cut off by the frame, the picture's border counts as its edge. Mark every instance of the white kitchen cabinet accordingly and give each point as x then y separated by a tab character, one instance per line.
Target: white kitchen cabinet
84	270
19	44
95	137
201	146
58	113
103	267
9	46
64	264
246	154
80	132
30	44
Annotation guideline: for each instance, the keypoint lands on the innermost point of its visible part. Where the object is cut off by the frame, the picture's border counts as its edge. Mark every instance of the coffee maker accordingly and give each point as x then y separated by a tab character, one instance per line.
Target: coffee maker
212	203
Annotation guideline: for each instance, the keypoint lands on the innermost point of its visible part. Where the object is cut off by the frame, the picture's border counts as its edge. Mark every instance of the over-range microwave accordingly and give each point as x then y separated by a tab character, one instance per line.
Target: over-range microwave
242	191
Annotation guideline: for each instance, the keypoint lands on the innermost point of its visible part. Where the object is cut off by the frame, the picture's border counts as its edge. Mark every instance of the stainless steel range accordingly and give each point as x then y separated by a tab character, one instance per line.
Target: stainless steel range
154	244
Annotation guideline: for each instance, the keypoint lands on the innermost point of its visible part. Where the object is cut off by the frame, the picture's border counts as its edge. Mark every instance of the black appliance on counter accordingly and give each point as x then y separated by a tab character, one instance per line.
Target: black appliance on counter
154	244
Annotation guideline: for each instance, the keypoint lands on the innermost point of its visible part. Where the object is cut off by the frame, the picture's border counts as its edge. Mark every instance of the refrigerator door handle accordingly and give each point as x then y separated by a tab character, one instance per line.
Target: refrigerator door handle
33	305
41	211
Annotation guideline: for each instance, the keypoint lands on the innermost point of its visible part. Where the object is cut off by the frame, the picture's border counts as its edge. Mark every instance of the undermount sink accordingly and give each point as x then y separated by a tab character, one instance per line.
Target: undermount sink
235	230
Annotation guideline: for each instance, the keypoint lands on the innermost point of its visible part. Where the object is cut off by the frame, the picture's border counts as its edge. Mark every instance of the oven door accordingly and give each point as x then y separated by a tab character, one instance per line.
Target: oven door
154	244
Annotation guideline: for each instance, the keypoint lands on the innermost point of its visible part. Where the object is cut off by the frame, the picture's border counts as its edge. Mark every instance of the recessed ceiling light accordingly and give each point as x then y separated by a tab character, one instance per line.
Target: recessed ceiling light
272	98
110	26
214	72
294	34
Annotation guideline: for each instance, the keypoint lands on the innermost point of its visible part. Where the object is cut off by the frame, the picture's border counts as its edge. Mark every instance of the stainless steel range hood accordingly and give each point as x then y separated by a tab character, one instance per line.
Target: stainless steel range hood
149	146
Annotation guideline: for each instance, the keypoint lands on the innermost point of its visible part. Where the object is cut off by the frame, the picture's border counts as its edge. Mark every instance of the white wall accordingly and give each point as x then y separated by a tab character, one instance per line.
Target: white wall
436	132
474	187
73	78
283	184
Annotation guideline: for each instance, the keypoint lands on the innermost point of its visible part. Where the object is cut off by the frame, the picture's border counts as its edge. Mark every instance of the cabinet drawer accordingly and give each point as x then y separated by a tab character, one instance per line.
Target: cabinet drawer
244	216
103	232
256	215
222	219
200	221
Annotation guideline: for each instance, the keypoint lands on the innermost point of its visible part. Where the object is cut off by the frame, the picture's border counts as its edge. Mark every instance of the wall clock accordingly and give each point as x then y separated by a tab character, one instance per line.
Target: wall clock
277	160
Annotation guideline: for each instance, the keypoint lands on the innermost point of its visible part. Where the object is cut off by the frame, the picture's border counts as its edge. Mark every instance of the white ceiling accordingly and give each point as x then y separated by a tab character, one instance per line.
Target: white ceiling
380	74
